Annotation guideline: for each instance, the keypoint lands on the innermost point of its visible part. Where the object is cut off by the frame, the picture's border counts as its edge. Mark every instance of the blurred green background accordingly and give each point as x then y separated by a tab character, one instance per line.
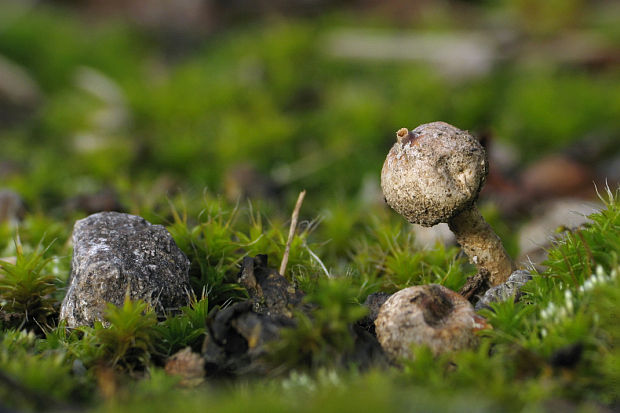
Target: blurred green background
134	101
180	110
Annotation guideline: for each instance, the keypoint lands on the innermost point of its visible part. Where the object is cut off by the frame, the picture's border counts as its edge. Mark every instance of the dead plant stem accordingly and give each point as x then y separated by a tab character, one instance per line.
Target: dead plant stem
291	231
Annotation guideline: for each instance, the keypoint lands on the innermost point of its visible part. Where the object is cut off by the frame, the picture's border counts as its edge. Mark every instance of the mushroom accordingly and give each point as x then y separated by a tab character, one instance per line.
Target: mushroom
433	174
431	315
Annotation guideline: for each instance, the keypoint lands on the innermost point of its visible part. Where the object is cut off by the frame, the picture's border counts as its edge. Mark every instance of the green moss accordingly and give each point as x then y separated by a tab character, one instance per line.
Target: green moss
27	290
559	341
249	95
267	94
322	338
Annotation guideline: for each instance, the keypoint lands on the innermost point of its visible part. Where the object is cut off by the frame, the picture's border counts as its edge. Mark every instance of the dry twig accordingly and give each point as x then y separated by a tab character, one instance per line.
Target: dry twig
291	231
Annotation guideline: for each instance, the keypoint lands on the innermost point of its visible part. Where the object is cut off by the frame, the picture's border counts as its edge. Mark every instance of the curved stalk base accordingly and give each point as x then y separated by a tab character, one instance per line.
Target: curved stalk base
481	244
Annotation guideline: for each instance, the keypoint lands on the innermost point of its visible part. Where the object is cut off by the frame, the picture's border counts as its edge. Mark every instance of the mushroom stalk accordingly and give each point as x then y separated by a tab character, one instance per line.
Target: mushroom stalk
481	244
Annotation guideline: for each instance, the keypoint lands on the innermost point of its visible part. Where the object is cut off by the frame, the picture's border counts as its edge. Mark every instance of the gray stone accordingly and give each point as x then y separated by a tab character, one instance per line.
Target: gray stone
17	87
373	303
428	237
537	236
504	291
116	254
20	96
11	207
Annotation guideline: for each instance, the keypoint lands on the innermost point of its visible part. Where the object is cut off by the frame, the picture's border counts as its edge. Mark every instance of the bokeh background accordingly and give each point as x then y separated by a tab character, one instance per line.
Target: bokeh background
126	104
210	117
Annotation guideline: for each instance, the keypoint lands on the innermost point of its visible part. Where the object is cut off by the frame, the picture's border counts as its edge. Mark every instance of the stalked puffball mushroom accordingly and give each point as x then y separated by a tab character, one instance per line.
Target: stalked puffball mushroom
433	174
430	315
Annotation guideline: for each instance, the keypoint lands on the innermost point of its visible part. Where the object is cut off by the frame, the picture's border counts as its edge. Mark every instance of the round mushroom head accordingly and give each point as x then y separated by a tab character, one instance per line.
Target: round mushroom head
433	172
430	315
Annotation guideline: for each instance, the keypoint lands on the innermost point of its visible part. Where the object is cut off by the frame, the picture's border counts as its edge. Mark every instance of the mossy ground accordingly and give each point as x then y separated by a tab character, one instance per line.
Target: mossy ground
248	94
558	344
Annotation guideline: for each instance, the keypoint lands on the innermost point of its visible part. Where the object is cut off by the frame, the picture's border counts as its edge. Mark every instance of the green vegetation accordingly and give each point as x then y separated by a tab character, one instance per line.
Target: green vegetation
323	337
118	112
26	289
560	341
180	132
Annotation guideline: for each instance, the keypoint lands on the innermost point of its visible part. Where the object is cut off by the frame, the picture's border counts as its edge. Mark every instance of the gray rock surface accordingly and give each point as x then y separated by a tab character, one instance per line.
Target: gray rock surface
373	302
11	206
428	237
17	87
115	254
504	291
538	235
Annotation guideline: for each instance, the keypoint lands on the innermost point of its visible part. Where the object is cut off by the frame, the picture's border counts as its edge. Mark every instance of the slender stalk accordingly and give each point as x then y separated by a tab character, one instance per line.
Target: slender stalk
291	231
481	244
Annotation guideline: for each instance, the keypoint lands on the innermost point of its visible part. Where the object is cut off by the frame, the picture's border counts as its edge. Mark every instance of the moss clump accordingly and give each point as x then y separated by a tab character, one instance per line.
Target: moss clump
27	290
559	342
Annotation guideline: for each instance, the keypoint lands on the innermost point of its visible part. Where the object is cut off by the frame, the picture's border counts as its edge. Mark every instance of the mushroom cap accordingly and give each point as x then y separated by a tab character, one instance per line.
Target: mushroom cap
433	172
431	315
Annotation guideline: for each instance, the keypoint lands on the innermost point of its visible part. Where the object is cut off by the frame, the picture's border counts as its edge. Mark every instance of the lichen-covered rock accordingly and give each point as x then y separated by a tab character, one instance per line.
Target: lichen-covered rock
430	315
116	254
504	291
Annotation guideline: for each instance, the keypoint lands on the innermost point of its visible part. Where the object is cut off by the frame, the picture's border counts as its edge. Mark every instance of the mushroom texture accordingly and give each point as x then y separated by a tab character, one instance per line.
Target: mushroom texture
430	315
434	174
